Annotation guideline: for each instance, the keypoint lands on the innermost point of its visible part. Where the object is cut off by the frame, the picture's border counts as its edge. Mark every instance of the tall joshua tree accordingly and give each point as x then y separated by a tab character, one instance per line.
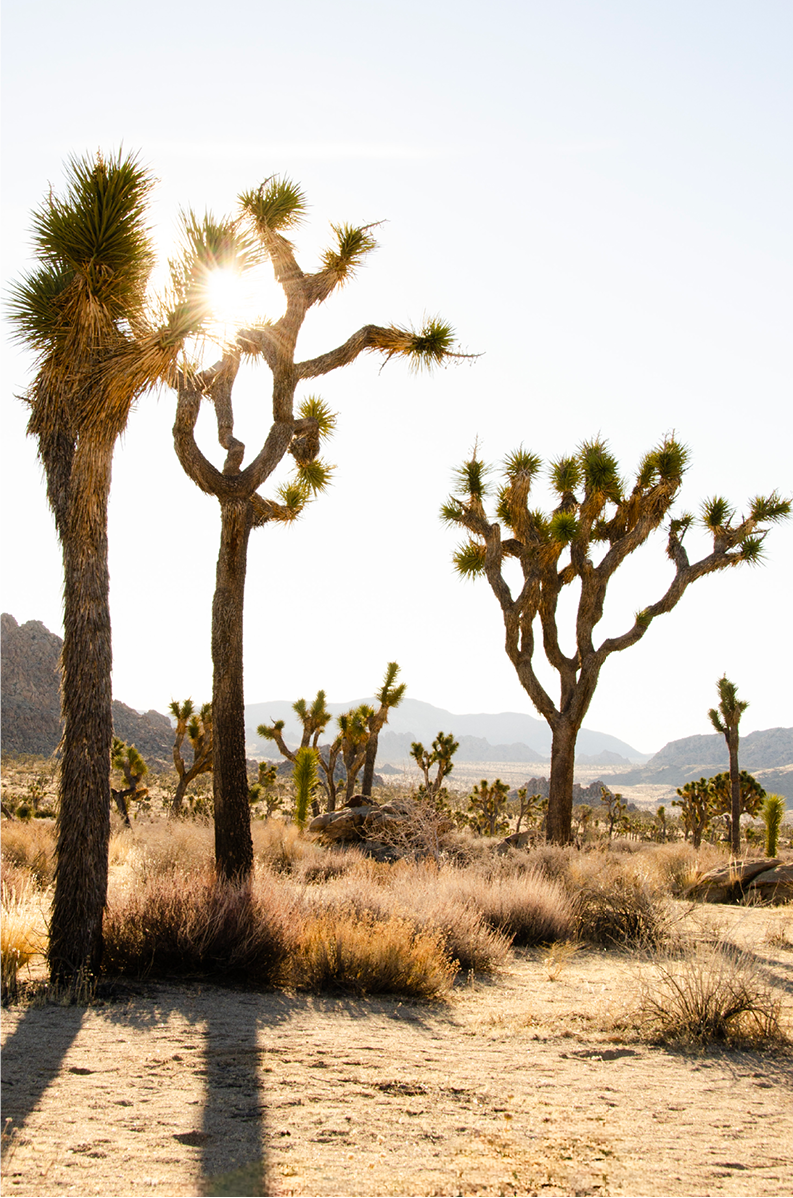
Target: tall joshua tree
297	428
725	719
598	521
387	697
81	312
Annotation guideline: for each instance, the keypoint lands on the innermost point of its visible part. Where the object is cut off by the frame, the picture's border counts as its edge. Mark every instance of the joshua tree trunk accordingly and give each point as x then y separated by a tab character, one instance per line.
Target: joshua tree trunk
735	793
368	765
233	844
86	660
560	794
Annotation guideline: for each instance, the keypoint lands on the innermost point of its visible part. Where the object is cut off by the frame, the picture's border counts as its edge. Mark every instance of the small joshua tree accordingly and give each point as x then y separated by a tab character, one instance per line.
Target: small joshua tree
616	809
725	719
128	760
264	790
598	521
354	738
314	717
197	727
488	804
772	813
531	805
443	749
696	808
387	697
750	800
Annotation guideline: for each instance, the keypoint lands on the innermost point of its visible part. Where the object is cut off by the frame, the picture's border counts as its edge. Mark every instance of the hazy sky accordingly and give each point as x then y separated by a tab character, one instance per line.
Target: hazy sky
596	194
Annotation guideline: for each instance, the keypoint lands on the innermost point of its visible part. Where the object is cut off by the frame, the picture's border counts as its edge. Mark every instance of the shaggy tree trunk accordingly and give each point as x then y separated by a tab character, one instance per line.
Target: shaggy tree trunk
368	765
560	795
86	702
735	789
233	843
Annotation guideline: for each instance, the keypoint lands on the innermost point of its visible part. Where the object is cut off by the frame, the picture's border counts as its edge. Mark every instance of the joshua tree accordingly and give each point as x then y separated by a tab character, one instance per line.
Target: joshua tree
696	808
750	800
354	737
616	809
197	727
82	313
266	214
128	760
530	805
597	523
443	749
772	813
264	788
488	804
725	719
388	696
314	718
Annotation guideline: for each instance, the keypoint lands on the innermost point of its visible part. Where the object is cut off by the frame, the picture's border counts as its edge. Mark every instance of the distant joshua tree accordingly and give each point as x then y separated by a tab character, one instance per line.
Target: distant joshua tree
443	749
387	697
197	727
488	804
598	521
725	719
128	760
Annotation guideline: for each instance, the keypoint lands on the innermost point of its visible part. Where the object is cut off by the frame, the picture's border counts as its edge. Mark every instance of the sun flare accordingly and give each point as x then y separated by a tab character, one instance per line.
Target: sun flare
238	299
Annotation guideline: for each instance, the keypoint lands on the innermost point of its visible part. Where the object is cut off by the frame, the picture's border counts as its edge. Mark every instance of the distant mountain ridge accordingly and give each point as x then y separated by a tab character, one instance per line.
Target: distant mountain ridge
767	754
31	704
484	736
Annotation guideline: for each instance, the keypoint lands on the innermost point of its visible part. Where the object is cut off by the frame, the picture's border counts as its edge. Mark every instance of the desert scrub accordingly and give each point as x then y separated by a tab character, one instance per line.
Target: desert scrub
175	924
714	996
168	846
618	908
525	907
31	847
359	954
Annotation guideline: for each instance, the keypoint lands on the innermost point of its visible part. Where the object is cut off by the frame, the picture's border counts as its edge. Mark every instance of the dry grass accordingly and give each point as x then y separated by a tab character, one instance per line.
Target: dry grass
715	995
616	907
361	955
31	847
23	935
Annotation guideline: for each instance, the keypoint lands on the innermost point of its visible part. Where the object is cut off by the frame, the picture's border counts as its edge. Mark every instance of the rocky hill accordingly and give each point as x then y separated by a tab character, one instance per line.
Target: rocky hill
31	720
767	754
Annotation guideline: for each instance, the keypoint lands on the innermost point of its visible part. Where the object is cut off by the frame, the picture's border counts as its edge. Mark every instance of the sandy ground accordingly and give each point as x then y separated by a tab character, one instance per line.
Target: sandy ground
520	1085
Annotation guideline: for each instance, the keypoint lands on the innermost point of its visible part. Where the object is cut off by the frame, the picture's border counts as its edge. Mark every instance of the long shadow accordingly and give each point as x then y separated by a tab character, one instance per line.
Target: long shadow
47	1030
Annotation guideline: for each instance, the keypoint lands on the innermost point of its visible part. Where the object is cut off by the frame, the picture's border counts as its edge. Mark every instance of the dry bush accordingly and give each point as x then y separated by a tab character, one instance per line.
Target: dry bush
23	935
359	954
525	907
173	923
617	906
674	867
715	996
31	846
169	846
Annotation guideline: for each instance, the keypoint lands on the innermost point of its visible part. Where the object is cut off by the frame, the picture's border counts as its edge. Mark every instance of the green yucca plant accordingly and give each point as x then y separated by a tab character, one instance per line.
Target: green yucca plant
772	813
305	779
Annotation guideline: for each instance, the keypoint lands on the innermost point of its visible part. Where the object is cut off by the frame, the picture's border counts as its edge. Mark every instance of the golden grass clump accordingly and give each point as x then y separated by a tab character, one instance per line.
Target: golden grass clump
359	954
171	846
23	933
526	907
31	847
715	995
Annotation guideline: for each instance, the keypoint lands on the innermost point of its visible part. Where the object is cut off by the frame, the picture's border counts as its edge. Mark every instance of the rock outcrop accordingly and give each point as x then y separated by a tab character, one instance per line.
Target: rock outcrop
767	879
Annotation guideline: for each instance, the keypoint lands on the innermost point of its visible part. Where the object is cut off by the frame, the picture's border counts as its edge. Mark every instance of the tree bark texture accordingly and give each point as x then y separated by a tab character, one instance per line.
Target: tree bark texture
560	792
83	829
233	843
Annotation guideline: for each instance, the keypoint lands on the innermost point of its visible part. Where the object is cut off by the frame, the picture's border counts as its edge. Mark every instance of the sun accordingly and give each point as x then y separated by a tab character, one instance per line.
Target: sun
240	298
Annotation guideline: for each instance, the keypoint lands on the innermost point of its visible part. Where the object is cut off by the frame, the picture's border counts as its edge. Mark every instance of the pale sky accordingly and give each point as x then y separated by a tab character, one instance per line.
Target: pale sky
596	194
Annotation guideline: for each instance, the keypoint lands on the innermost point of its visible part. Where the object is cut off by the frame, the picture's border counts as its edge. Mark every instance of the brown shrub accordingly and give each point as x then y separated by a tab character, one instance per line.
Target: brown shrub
619	908
31	847
525	907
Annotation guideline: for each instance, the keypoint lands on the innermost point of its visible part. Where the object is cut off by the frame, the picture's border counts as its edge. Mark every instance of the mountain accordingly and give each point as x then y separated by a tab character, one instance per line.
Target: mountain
507	736
768	755
31	706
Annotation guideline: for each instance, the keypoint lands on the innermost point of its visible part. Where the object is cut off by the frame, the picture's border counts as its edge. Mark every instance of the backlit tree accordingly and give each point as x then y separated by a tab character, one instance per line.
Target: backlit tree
725	719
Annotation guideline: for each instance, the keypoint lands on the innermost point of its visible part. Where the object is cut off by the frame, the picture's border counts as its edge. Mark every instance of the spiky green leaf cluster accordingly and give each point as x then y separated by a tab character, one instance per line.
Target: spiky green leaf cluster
469	559
276	205
769	509
314	408
600	470
566	475
93	244
716	512
471	478
563	527
431	344
314	476
521	464
666	463
353	243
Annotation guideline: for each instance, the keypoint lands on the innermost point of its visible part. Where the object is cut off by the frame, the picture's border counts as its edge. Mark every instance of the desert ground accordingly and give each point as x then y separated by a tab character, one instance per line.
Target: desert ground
536	1081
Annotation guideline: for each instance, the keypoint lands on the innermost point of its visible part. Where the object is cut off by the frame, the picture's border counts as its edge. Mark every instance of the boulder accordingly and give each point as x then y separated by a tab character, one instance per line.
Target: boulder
729	883
773	885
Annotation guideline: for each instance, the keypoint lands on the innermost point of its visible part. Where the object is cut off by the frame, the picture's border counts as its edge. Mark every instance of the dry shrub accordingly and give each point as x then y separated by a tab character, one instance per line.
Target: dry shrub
23	935
363	955
282	849
674	867
527	908
716	996
174	923
31	846
617	907
170	846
